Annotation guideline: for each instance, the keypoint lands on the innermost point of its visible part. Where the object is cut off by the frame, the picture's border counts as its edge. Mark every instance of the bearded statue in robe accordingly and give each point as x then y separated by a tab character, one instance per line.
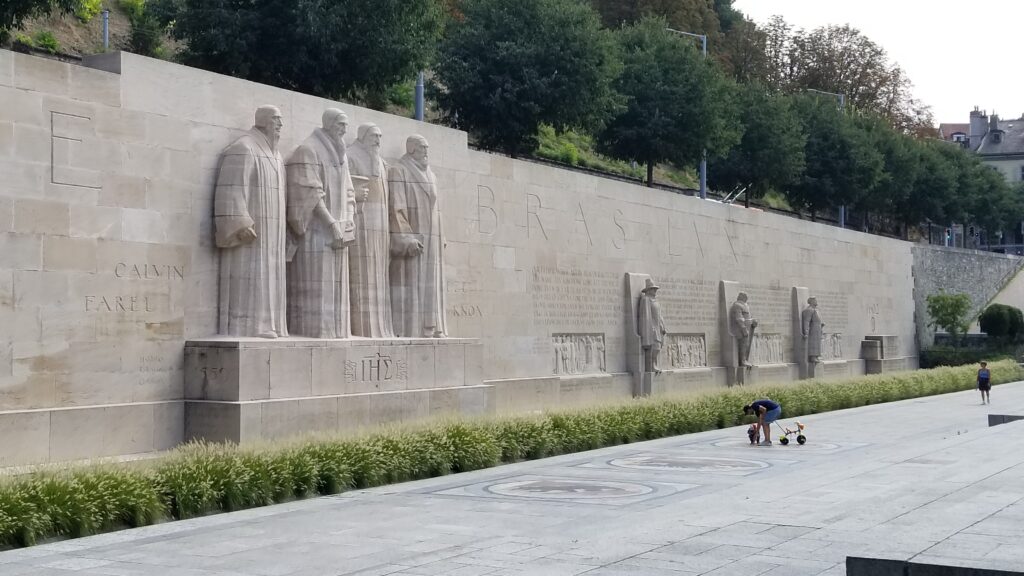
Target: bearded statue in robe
417	246
369	254
321	208
249	222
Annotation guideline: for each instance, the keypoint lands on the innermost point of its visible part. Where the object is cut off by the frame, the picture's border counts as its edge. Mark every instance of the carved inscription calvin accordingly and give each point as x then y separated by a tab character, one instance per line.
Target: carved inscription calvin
578	353
66	133
686	350
149	271
376	368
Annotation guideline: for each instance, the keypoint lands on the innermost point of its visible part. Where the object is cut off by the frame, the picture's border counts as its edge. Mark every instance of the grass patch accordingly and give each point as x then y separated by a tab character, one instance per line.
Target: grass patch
201	478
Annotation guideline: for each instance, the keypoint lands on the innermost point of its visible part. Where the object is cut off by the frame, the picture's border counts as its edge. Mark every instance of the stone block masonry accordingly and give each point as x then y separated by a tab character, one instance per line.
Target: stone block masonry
108	267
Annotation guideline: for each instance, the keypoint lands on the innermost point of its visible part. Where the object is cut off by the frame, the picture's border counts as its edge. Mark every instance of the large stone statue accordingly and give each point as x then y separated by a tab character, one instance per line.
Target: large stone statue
650	326
741	328
811	326
417	246
369	255
321	207
249	222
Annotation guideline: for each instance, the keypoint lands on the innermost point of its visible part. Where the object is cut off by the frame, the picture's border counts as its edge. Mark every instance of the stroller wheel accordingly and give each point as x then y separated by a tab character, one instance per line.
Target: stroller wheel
801	439
784	440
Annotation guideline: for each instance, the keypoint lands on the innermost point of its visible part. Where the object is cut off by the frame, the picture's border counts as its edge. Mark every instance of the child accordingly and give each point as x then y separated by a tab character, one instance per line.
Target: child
983	383
754	433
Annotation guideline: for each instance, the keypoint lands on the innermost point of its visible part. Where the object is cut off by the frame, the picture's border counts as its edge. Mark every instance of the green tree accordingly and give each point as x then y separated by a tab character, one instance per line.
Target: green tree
771	153
506	68
355	49
677	103
13	13
841	160
950	312
843	60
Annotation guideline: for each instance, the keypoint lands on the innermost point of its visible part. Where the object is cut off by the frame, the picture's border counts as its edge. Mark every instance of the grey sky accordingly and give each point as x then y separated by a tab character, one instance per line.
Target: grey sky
958	54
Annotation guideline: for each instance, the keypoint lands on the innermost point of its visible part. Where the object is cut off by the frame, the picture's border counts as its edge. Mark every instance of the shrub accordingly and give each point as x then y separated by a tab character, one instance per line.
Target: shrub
88	9
950	312
950	356
202	478
1002	322
133	8
45	40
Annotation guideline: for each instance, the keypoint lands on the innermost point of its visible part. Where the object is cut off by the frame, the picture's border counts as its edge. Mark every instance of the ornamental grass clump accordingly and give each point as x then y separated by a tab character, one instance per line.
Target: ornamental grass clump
202	478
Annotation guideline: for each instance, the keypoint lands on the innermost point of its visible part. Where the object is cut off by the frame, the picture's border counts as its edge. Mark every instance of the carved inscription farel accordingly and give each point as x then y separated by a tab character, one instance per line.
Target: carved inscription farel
579	353
126	303
376	368
576	298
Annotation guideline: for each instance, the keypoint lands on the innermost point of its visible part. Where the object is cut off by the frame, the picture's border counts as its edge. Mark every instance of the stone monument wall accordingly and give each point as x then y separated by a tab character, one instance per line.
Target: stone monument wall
107	263
984	276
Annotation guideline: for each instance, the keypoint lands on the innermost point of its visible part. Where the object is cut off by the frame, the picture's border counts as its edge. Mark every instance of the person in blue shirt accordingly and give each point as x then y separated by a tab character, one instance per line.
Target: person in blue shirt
984	385
767	411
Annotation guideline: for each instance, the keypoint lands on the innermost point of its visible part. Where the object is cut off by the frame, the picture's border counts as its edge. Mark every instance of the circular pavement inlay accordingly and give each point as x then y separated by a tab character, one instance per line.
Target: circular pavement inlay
687	463
549	488
815	446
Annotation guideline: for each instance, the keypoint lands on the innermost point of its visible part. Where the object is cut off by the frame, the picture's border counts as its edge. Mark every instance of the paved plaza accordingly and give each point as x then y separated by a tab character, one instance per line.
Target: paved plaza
924	479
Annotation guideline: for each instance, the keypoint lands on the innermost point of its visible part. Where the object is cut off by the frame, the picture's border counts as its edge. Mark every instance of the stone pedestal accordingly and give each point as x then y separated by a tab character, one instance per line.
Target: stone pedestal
882	354
251	389
683	380
806	369
642	381
771	373
727	291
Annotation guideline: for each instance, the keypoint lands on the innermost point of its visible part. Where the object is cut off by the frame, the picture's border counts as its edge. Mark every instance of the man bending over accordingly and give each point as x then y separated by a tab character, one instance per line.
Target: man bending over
767	412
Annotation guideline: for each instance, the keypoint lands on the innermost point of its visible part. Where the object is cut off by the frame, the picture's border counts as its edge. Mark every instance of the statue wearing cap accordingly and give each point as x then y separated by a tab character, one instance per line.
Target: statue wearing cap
650	326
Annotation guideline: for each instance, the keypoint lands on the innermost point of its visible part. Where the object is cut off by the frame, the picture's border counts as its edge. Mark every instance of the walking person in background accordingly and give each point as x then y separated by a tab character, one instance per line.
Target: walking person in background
984	385
767	412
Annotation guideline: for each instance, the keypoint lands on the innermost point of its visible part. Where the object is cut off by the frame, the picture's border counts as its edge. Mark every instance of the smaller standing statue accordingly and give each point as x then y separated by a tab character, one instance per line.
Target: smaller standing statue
741	328
650	326
811	328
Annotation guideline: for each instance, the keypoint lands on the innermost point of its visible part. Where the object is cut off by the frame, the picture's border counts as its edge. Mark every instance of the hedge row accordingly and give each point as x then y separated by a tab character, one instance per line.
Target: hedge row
201	478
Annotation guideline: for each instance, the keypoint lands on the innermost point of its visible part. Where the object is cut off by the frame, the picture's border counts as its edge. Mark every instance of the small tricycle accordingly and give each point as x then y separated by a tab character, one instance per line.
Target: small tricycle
786	433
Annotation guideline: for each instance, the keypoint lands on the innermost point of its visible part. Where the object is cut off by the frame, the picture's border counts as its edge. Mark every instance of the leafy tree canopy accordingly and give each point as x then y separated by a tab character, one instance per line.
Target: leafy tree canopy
677	102
505	68
841	160
355	49
771	153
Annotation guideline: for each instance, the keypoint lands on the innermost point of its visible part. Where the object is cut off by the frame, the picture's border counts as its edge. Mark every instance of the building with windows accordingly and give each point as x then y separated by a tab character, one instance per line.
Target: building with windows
1000	145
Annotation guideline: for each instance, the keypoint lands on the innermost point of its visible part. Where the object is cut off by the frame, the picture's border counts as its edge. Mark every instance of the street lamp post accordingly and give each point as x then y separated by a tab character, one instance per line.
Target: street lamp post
704	155
842	106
